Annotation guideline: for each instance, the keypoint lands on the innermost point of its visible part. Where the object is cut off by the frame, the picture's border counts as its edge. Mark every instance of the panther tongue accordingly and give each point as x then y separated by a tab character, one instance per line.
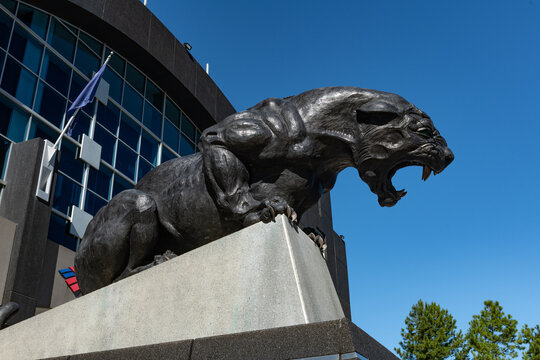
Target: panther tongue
426	172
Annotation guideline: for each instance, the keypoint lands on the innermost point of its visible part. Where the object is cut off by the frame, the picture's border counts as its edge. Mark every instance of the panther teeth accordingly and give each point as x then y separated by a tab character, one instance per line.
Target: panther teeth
426	172
401	193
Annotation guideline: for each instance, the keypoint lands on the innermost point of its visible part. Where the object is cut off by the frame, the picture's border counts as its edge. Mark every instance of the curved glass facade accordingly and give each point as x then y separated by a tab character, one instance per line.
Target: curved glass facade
45	63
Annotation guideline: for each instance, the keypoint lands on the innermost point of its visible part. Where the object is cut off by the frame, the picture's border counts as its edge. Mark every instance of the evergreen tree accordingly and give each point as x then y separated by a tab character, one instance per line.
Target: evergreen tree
430	334
492	335
531	338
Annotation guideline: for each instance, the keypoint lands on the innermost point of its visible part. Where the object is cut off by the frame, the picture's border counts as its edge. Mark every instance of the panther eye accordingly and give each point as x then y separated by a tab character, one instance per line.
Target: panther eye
425	132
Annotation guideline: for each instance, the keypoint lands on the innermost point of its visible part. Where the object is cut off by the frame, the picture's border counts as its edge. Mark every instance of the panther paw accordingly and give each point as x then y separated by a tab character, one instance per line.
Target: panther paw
320	242
269	210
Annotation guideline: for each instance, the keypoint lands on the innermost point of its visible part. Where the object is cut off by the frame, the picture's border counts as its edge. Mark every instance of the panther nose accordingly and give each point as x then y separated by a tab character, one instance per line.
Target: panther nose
448	157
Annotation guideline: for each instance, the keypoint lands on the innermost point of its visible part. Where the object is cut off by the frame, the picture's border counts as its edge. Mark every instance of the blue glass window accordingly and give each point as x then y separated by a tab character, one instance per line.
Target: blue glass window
116	62
170	135
50	104
34	19
119	184
149	148
4	152
93	203
115	84
9	4
172	112
99	181
152	119
13	120
5	29
77	85
135	78
166	155
58	232
82	124
93	44
126	160
66	193
19	82
86	61
62	40
133	102
188	128
25	48
186	147
108	116
69	164
40	130
129	131
107	141
154	95
144	168
56	73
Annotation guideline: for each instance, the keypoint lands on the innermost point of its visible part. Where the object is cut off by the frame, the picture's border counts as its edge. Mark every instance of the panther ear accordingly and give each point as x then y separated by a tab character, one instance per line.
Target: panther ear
376	113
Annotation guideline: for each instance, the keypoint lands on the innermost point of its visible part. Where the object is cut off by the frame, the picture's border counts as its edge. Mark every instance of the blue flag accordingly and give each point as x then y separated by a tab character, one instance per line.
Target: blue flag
86	96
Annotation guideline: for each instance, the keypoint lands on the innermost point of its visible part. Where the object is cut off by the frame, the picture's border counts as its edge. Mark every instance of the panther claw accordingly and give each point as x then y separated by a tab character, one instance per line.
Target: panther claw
319	241
292	215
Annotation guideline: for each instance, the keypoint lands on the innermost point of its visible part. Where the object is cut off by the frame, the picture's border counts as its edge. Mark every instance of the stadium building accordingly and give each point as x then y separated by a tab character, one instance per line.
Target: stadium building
153	103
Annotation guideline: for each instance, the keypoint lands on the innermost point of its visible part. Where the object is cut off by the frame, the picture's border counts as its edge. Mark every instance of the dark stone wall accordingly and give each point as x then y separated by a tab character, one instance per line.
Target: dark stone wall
20	205
128	27
319	217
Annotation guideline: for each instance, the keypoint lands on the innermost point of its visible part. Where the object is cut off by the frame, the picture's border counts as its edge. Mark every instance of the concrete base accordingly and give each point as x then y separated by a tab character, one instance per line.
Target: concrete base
266	276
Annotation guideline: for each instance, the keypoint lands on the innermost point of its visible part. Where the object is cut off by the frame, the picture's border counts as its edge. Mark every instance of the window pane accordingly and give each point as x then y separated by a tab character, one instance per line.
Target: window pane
170	135
120	184
5	29
69	164
82	124
58	232
135	78
50	104
172	112
34	19
86	61
107	141
149	147
100	181
4	151
152	119
93	44
13	120
56	73
18	82
108	116
133	102
66	193
144	168
116	62
129	131
126	160
93	203
154	95
115	84
77	85
9	4
188	128
186	147
166	155
40	130
62	40
25	48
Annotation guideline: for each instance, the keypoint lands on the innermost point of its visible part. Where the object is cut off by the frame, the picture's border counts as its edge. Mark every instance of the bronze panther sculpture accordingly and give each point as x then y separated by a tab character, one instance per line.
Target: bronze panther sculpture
253	165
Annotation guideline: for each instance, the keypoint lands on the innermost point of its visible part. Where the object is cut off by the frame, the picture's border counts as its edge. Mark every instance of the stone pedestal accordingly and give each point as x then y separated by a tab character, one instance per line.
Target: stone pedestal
263	277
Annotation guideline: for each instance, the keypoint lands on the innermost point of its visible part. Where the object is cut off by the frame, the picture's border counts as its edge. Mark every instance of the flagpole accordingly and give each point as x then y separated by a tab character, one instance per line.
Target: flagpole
66	127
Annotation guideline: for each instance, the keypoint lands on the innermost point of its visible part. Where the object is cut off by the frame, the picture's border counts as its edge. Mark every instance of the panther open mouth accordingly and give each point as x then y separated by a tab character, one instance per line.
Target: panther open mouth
388	195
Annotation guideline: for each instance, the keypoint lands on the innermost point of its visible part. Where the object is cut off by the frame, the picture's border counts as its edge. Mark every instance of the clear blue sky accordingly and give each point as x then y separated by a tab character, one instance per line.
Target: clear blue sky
465	236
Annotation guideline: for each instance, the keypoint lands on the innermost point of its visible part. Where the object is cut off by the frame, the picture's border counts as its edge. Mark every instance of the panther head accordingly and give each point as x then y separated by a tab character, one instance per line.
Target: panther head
396	134
381	133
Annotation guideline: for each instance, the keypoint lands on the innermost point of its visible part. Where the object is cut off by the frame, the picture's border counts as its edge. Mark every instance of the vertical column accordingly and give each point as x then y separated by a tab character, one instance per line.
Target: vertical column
32	215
